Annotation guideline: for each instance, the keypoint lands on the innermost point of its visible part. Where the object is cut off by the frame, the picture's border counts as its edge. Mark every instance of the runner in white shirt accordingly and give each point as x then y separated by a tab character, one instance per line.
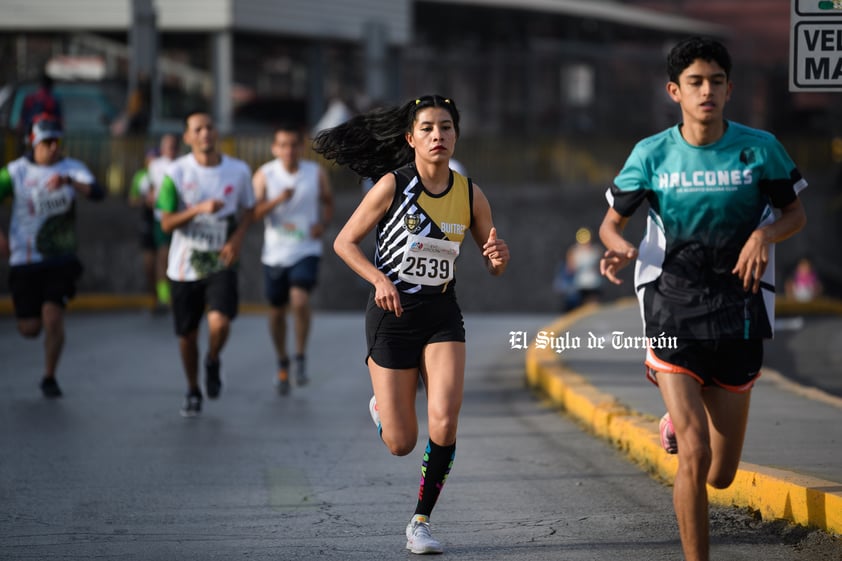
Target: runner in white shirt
199	199
42	238
296	202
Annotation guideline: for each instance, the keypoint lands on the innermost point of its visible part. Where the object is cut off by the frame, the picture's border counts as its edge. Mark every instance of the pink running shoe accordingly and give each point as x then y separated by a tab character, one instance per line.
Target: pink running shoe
667	434
375	415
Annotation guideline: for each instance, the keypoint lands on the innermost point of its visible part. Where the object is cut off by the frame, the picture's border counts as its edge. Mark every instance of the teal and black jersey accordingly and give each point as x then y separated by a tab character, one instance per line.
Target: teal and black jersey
704	203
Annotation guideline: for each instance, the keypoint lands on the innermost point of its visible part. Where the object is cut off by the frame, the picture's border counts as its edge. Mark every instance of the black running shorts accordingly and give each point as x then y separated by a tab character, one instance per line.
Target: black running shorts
398	342
218	292
732	364
33	285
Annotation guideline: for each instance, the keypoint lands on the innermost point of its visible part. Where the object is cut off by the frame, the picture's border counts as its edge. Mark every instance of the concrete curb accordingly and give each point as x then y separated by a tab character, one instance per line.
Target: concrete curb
774	493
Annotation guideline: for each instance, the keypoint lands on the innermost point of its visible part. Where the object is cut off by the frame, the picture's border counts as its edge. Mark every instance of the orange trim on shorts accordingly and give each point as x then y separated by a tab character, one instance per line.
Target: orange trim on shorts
739	389
654	363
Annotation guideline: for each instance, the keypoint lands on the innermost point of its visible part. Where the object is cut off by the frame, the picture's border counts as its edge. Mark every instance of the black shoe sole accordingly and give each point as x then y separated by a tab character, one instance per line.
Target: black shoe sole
212	390
213	384
51	392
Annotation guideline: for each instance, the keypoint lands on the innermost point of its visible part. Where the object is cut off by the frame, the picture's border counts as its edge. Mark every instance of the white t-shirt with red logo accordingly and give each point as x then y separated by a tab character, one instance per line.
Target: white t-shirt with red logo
194	249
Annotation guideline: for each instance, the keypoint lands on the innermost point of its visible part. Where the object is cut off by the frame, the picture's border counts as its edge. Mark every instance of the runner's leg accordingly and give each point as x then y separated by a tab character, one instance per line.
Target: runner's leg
682	395
395	394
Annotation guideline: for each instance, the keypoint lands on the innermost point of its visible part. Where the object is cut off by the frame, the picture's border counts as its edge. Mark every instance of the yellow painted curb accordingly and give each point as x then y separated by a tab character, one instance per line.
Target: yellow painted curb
819	306
776	494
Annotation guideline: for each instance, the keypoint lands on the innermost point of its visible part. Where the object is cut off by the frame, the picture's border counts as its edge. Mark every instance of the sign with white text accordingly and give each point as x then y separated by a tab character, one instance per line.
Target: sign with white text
815	41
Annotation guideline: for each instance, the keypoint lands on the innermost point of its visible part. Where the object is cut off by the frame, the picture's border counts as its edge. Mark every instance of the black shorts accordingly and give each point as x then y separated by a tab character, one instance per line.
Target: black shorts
277	280
219	292
147	222
731	364
33	285
398	342
147	241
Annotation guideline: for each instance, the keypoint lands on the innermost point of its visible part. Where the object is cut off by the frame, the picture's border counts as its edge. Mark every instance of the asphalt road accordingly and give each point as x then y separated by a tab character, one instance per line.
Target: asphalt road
111	471
809	350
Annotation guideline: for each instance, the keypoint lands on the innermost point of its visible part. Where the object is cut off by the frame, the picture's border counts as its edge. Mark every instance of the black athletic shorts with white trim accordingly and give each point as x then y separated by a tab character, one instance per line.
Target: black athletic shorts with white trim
731	364
398	342
218	292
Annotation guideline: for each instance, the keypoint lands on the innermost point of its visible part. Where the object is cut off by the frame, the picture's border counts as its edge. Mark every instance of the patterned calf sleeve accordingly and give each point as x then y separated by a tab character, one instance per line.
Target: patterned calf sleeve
434	470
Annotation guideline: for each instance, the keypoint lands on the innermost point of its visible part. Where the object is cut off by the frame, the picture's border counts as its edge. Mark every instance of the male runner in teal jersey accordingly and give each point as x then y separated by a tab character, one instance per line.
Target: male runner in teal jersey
720	196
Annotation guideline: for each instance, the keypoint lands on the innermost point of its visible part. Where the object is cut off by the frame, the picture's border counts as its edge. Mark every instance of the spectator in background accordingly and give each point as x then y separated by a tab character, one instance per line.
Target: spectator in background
583	266
135	118
458	167
804	285
337	112
40	102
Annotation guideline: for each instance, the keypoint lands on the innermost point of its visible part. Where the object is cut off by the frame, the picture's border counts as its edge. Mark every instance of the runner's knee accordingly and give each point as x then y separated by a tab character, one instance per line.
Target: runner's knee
722	478
29	328
400	446
695	458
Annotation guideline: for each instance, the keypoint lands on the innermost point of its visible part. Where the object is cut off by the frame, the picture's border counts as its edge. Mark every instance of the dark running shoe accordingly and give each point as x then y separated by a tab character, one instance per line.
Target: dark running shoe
192	404
50	389
301	371
213	383
282	381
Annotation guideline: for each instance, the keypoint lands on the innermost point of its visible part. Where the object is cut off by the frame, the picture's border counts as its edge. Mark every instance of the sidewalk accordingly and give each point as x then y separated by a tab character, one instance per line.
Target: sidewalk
792	458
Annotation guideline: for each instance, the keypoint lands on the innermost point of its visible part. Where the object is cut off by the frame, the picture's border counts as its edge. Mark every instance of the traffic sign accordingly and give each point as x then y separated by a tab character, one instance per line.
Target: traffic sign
815	62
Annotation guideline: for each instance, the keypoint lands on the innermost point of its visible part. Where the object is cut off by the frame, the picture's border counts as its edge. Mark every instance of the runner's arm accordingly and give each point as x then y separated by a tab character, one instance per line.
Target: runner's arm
231	250
171	218
326	205
495	251
262	206
370	211
82	181
618	251
754	256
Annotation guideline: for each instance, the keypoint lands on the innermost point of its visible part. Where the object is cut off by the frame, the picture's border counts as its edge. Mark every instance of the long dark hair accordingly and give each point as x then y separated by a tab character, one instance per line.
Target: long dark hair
374	143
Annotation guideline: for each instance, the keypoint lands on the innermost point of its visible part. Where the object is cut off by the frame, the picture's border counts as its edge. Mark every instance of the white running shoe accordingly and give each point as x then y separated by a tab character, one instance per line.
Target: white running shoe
375	414
418	537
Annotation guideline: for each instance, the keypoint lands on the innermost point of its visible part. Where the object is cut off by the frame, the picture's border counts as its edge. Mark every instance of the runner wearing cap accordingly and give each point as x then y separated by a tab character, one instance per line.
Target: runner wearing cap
41	244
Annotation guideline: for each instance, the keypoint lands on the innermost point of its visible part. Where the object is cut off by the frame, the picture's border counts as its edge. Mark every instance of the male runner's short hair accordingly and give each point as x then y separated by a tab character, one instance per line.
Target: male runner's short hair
688	50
